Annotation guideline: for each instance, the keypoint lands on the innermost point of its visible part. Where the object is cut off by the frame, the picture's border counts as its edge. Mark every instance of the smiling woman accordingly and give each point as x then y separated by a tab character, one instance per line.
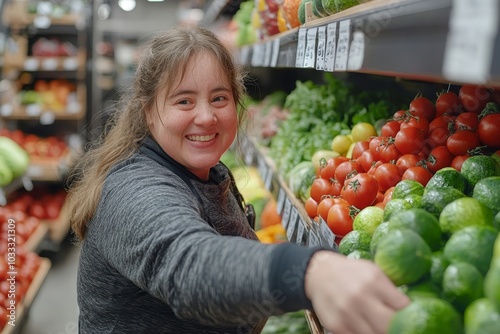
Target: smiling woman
166	246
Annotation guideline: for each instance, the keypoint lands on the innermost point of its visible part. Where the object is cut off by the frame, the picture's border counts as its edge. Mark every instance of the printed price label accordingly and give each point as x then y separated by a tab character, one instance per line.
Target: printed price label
262	167
275	53
310	55
47	118
287	210
292	225
280	202
244	55
313	239
326	233
320	54
471	40
34	171
49	64
301	48
268	181
268	51
300	232
70	64
33	110
357	51
6	109
343	46
331	45
31	64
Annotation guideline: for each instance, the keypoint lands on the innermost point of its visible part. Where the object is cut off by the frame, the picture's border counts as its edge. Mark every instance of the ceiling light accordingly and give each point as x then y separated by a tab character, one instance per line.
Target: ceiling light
126	5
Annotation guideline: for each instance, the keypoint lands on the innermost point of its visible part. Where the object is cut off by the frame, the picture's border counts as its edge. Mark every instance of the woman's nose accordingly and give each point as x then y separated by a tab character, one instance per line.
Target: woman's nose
205	115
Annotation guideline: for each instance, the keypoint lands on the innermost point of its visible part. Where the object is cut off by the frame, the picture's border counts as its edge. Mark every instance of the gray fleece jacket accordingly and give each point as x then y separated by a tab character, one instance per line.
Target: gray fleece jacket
156	260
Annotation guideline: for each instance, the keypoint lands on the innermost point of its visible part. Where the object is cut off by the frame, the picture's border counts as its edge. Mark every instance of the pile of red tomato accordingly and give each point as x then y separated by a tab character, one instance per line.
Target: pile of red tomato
413	144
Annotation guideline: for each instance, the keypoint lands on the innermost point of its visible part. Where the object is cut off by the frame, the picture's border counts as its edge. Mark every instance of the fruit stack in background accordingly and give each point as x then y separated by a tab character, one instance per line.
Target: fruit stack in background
261	19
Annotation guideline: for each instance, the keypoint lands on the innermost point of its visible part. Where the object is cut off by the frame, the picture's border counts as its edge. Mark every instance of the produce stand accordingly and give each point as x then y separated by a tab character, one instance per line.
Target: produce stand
22	310
37	238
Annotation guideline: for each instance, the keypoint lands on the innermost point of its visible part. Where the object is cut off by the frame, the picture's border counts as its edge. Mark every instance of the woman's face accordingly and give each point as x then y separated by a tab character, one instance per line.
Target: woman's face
197	121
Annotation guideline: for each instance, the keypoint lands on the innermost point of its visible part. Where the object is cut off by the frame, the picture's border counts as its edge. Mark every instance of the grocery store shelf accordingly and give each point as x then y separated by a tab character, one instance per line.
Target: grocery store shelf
36	238
22	310
23	181
300	229
217	8
430	40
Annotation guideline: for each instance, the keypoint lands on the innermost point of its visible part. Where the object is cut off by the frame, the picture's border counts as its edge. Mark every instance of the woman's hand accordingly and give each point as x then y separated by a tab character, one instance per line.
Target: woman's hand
351	296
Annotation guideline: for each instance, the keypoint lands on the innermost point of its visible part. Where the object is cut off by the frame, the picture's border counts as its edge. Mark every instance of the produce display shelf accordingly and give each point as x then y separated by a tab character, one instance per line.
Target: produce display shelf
23	181
37	237
299	227
41	64
58	228
16	14
22	310
430	40
44	170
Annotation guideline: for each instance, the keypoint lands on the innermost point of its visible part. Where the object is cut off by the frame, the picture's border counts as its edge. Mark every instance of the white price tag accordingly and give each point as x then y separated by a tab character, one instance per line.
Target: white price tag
313	239
268	181
275	53
255	55
331	46
343	45
320	54
300	232
49	64
268	51
244	54
301	48
280	202
70	64
262	167
287	211
6	110
471	40
33	110
292	225
47	118
310	55
326	233
356	51
31	64
34	171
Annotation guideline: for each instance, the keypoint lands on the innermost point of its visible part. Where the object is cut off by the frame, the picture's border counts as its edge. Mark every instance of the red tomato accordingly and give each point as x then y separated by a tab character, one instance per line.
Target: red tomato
366	160
407	160
360	190
444	121
423	107
319	188
387	175
458	161
335	188
489	130
375	146
340	218
447	104
328	171
359	148
388	195
467	121
419	174
421	123
399	115
439	157
346	170
389	152
462	141
474	98
409	140
438	136
311	207
323	207
390	128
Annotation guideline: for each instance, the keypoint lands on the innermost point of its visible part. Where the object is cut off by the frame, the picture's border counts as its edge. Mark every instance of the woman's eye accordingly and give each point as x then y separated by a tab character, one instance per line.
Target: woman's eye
220	98
183	102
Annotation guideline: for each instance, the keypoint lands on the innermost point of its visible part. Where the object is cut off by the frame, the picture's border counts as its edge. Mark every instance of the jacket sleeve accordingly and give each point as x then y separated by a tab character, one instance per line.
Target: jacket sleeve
151	231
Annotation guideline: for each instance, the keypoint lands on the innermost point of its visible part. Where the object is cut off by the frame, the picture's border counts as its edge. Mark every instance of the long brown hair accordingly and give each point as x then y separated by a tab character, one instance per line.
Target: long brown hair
164	57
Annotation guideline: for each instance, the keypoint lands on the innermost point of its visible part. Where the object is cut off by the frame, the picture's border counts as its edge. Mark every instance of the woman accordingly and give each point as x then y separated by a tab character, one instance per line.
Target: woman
165	246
